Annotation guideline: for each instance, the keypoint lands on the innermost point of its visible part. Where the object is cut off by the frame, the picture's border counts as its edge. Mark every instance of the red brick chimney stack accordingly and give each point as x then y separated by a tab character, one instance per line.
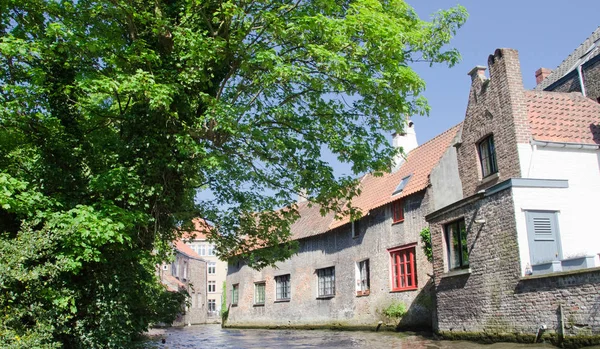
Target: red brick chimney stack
541	74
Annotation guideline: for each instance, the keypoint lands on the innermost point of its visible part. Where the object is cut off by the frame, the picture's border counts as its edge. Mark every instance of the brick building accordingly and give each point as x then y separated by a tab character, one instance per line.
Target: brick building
345	273
517	255
579	72
187	273
216	269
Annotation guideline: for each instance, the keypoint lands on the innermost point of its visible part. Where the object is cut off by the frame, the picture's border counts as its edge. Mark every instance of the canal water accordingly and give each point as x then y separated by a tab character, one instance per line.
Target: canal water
213	336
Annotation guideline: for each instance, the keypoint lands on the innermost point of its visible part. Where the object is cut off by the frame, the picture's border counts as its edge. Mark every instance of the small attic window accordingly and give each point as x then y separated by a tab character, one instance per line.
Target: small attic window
402	184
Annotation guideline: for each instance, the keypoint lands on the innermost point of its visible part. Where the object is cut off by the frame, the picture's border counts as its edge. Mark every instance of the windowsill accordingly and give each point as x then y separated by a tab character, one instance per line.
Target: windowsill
282	300
398	222
363	293
326	297
234	305
355	236
490	178
259	305
405	289
457	272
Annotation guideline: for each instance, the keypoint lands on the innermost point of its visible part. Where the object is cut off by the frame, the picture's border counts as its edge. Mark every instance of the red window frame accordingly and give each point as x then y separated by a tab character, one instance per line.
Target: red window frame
398	211
403	270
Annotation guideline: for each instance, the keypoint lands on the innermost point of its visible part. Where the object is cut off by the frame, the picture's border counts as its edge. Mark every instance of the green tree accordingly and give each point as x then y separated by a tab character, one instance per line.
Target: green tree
114	113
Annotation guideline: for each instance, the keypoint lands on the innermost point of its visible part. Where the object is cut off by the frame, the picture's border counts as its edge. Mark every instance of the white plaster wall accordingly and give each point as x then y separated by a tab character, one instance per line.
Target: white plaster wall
577	205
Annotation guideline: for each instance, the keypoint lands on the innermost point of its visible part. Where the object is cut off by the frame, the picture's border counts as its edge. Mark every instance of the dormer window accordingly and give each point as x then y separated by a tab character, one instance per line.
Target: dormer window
487	156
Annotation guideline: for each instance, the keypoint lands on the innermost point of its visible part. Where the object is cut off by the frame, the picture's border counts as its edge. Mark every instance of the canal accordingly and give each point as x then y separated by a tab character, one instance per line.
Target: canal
213	336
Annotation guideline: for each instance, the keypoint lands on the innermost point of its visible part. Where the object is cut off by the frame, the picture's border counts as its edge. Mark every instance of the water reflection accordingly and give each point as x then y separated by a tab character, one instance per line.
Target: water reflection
213	336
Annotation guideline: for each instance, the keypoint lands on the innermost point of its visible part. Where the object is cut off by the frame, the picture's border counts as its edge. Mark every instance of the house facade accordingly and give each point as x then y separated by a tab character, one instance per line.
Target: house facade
517	256
187	273
345	273
216	269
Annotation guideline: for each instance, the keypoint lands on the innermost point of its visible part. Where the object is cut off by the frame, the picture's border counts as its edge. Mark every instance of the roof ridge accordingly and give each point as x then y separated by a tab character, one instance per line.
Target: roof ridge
436	137
553	76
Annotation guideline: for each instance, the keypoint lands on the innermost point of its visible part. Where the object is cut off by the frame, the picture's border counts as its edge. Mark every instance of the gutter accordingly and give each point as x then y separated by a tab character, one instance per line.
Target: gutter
565	145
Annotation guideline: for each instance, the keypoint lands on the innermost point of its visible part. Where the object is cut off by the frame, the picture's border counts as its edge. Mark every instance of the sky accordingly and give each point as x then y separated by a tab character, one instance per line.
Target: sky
544	32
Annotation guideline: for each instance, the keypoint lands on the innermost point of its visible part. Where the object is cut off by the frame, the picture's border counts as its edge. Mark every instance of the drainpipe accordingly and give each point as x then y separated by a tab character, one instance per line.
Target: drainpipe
580	73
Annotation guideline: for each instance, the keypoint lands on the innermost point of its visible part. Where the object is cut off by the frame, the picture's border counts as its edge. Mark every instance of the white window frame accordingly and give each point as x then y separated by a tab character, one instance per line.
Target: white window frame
326	282
257	298
214	286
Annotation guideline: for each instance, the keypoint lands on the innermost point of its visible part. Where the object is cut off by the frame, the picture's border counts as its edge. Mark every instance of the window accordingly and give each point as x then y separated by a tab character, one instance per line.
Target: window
212	305
185	270
202	249
212	286
211	250
398	211
283	289
402	184
235	294
259	293
326	284
362	278
487	156
356	228
212	267
456	245
402	260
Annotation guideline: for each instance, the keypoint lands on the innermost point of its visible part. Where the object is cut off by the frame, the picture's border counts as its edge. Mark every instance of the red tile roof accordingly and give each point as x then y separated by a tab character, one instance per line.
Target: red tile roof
377	191
201	230
172	283
180	246
563	117
311	222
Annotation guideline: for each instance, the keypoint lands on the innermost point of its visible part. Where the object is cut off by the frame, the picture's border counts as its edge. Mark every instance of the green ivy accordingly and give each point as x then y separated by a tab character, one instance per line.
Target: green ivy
426	240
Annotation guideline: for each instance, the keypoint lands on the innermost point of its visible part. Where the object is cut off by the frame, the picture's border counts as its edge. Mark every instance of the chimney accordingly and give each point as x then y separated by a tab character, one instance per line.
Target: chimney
541	74
478	72
407	140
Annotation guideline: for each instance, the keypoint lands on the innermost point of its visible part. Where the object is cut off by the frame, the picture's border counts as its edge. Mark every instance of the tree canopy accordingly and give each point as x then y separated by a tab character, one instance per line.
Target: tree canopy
113	114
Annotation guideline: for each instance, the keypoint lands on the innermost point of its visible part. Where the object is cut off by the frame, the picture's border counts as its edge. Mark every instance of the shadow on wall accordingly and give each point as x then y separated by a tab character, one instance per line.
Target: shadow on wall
419	316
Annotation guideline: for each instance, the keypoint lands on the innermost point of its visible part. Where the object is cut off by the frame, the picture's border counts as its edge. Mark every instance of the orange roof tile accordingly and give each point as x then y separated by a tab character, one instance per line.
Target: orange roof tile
311	222
377	191
201	230
563	117
186	250
172	283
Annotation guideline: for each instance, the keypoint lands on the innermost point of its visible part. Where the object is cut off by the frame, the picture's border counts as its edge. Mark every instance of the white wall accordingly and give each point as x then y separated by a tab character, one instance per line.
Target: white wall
578	205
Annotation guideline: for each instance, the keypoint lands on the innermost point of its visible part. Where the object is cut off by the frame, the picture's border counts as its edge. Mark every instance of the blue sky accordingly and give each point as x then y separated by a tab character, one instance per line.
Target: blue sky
544	33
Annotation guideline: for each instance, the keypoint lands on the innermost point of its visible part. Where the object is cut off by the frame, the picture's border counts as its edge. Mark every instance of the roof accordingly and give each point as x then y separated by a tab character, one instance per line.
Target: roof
311	222
589	49
377	191
181	247
201	230
563	117
172	283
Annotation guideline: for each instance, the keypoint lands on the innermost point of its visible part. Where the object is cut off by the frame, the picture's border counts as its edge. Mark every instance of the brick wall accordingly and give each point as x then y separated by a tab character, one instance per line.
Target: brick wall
337	248
496	106
591	74
493	298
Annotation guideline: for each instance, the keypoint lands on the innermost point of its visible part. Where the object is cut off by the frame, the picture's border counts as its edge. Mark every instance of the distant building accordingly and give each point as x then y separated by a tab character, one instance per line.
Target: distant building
216	270
188	272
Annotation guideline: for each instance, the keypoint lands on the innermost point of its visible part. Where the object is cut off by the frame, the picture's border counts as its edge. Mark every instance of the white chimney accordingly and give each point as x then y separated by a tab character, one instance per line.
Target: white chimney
407	140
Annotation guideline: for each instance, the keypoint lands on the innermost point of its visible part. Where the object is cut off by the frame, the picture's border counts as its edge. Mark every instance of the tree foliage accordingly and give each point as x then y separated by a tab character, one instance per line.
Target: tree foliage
113	114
